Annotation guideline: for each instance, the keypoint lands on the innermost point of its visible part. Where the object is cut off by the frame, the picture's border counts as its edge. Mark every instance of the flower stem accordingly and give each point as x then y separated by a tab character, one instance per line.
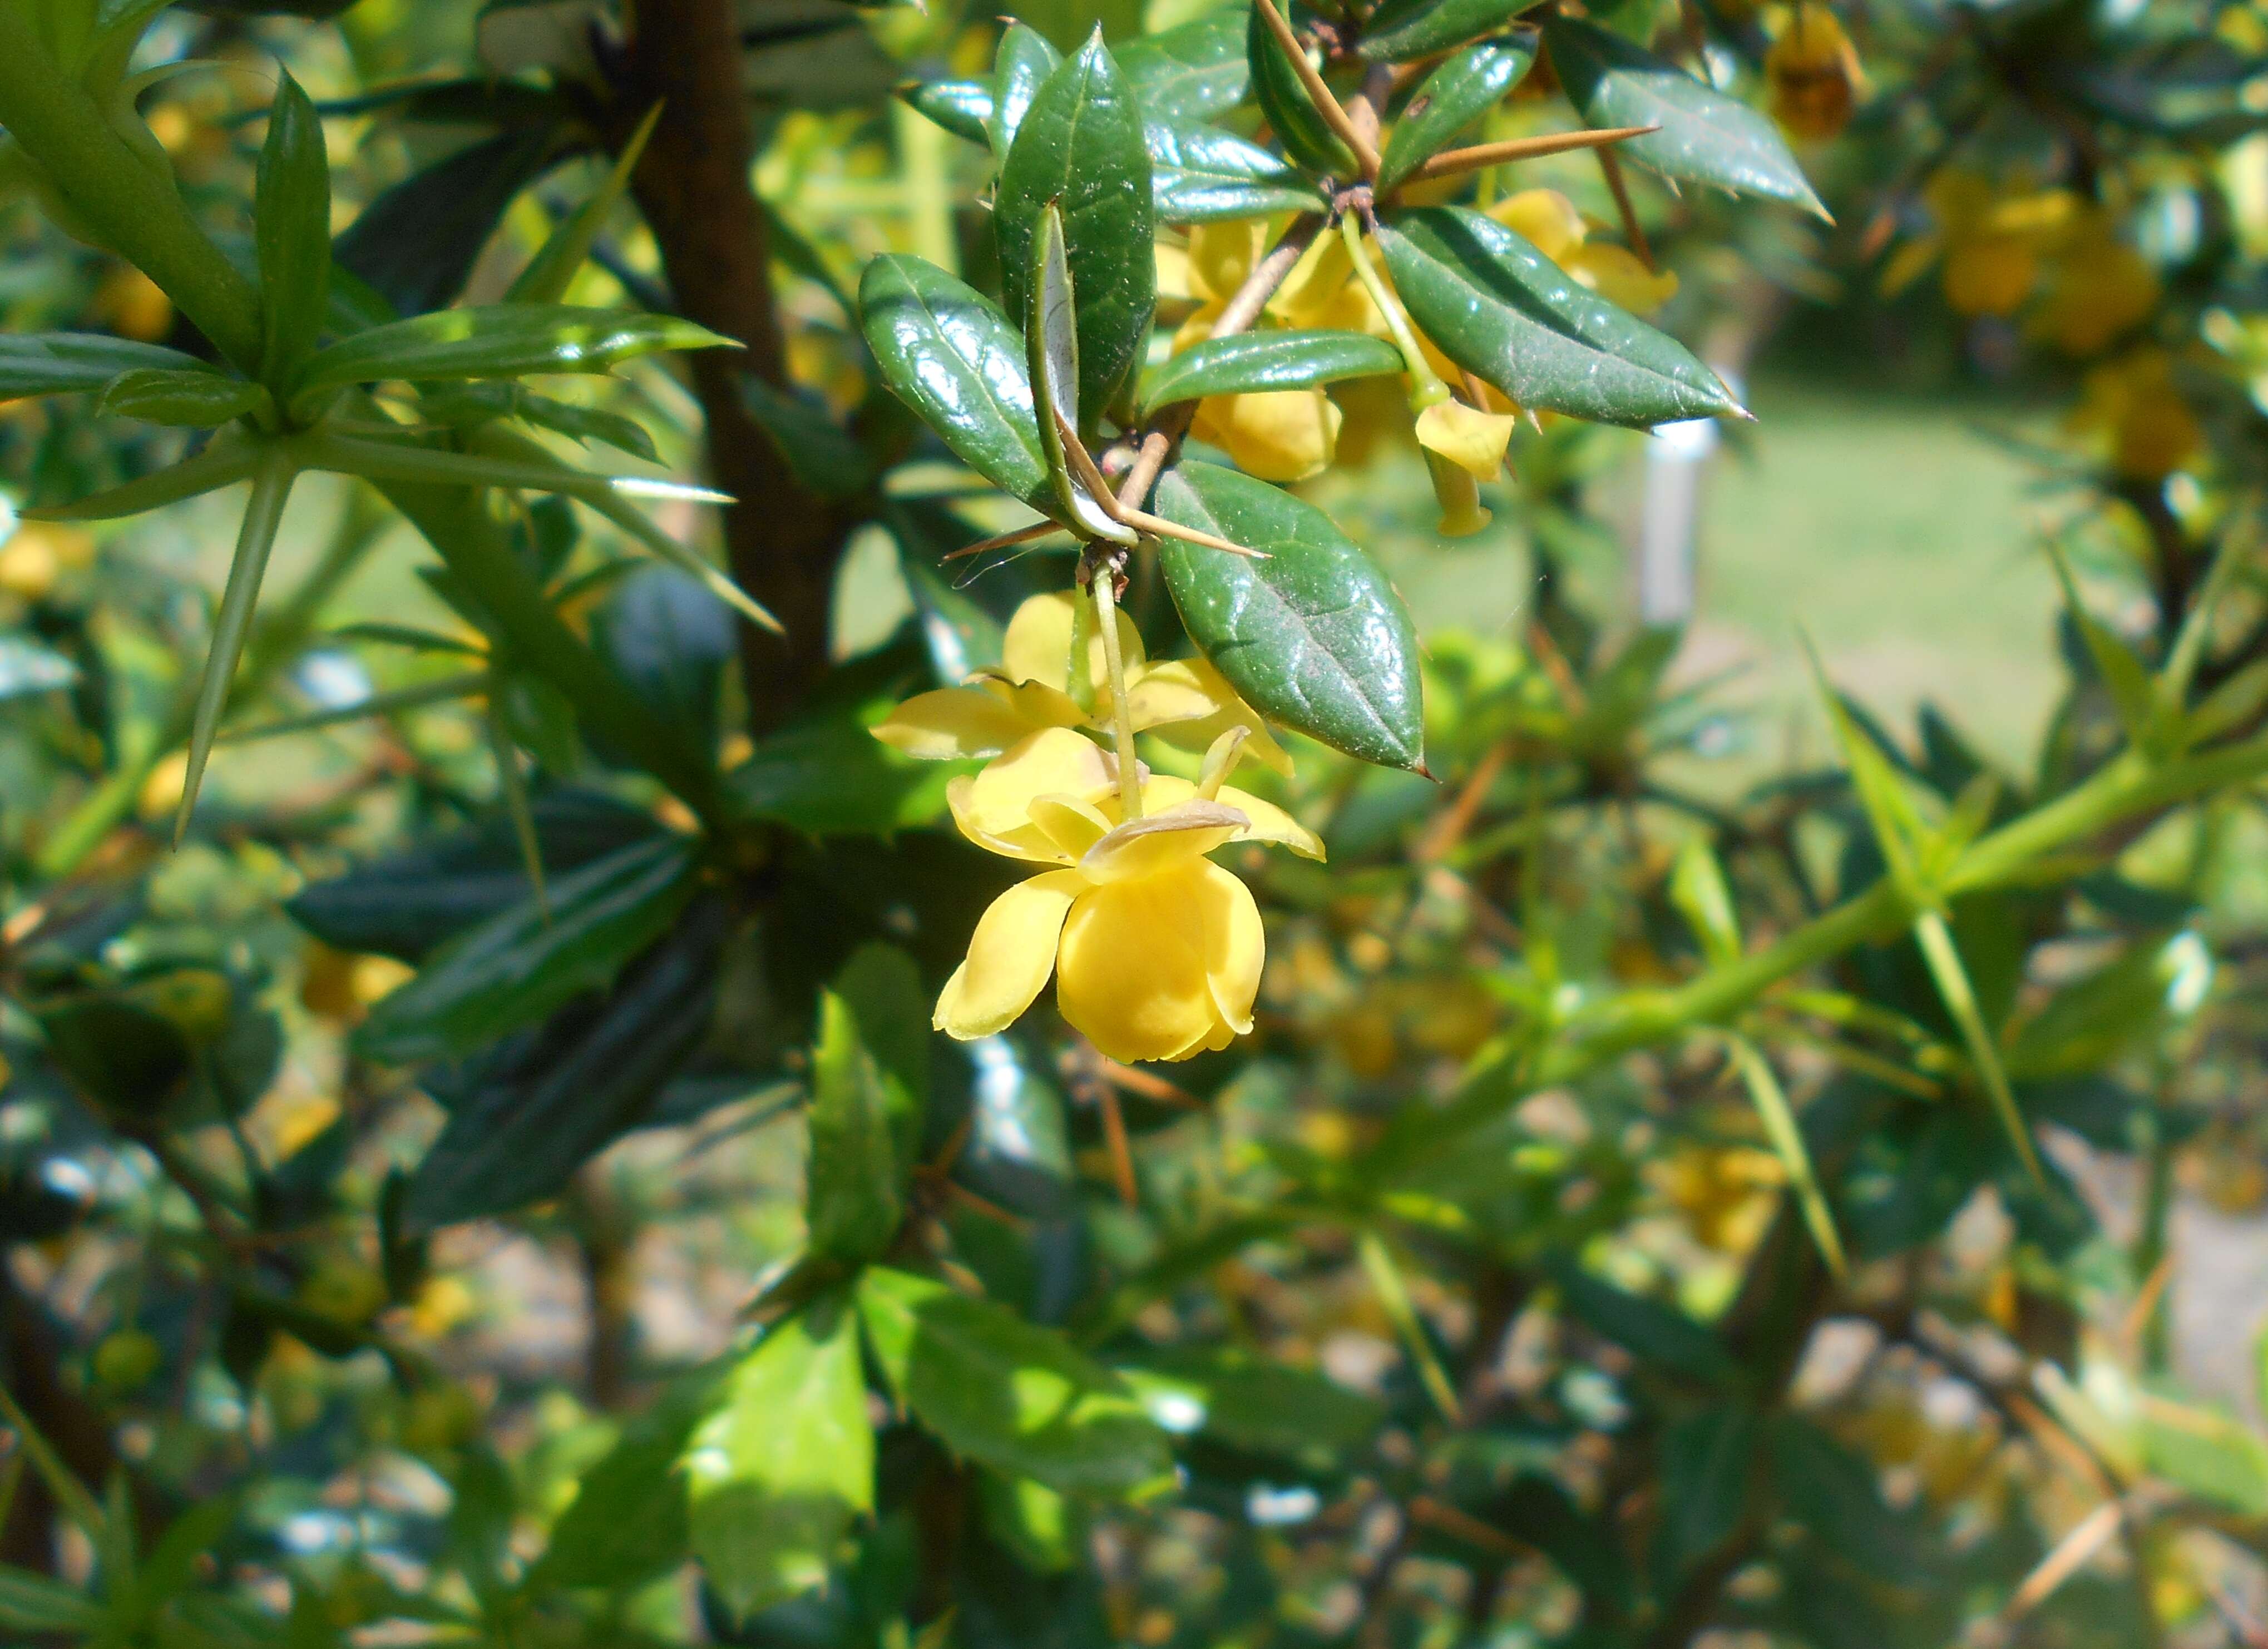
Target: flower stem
1122	715
1426	388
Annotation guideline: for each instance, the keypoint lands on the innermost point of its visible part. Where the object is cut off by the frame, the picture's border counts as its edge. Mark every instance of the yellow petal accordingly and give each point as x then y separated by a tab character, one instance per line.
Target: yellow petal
1131	972
1322	273
1616	274
1161	841
1073	823
1473	440
1037	646
1173	265
1055	760
1280	435
1026	840
1190	704
1264	820
1236	944
953	721
1459	494
1545	216
1010	954
1221	255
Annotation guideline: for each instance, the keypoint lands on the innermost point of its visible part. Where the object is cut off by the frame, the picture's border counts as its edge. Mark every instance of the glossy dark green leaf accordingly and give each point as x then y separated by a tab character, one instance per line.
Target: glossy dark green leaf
501	341
583	423
1024	61
291	226
1200	174
1402	31
833	777
851	1187
1453	98
1192	70
670	639
129	1059
1314	637
517	966
1503	309
1305	136
196	399
62	363
406	904
1252	361
524	1117
1051	354
963	108
950	355
416	244
1705	137
1081	149
778	1475
1004	1392
1019	1149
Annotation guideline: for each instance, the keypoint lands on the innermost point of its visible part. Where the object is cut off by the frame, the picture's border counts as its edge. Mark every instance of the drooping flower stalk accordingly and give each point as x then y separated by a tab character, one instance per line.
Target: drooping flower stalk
1121	715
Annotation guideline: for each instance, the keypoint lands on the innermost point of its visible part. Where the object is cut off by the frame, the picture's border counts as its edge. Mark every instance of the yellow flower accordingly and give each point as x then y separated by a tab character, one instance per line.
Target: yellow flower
1814	73
1156	951
1281	435
2098	288
1184	701
1549	219
2134	407
1990	238
1463	447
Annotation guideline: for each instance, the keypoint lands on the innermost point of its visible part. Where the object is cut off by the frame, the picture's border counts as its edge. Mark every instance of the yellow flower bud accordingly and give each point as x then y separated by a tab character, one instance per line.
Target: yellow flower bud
1813	69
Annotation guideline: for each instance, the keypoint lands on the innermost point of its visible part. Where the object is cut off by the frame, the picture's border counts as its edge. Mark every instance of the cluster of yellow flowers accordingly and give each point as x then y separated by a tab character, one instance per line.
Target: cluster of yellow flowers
1156	950
1289	435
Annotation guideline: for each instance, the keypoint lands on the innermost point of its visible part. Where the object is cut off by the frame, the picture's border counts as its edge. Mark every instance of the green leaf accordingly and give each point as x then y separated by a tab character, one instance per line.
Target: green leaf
1402	31
881	989
963	108
1081	149
777	1476
1305	136
1314	637
128	1059
1709	1461
199	400
1257	1404
1199	174
1191	70
63	363
1010	1395
548	273
851	1190
1024	61
948	353
499	341
256	537
1696	887
524	1117
291	226
2091	1022
416	244
826	458
1779	1125
1454	96
1835	1495
627	1521
2211	1455
1251	361
1503	309
517	966
2133	691
31	1603
1655	1332
1051	353
1959	995
1705	137
833	777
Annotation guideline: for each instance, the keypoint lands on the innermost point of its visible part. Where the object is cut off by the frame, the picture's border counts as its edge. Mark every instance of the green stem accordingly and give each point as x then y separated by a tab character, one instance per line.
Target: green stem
1426	388
1121	715
138	213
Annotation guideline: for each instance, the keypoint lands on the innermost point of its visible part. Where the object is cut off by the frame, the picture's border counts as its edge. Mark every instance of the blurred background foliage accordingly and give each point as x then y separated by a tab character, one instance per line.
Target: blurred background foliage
305	1344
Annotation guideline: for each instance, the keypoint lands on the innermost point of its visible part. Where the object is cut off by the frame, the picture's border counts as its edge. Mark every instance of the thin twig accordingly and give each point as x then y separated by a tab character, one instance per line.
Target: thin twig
1326	102
1450	162
1113	1132
1611	164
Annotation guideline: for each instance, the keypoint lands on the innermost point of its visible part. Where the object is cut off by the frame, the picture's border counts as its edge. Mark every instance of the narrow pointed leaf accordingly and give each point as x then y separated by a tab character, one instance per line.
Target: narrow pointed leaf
1025	59
500	340
1081	149
2133	692
1051	352
1778	1119
1314	637
963	108
1504	311
1402	31
1696	887
1386	1281
1200	174
196	399
1191	70
1453	98
1959	998
1282	97
1705	137
1897	827
545	279
513	784
62	363
222	464
779	1474
291	226
948	353
263	513
377	705
1256	361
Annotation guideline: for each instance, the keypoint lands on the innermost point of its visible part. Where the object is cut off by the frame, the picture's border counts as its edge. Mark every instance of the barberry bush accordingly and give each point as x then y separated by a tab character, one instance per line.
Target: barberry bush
726	915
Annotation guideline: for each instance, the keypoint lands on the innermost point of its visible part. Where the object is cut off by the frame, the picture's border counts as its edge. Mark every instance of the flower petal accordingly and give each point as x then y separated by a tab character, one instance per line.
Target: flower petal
1132	973
1236	945
1037	646
1473	440
1160	841
1010	954
1190	704
1265	822
1072	824
1026	840
1546	218
1054	761
954	721
1616	274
